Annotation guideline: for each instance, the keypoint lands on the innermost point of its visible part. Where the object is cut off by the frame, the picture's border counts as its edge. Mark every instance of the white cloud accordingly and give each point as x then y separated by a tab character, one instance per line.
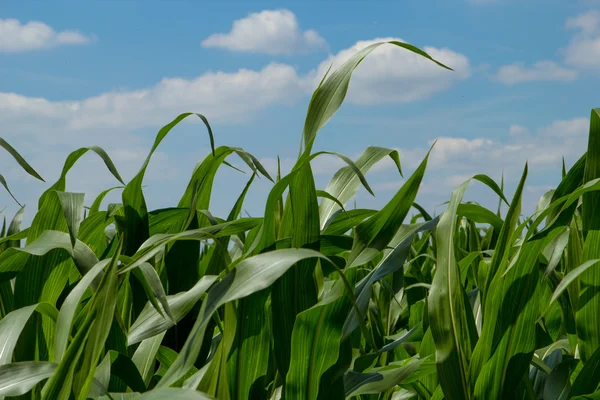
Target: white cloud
584	49
230	97
34	35
455	159
270	32
450	148
221	96
544	149
517	130
588	22
464	156
582	52
392	74
540	71
567	128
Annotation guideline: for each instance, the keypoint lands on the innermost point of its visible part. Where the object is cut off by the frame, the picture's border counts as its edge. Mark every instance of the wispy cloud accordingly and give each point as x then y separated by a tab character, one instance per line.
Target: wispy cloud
582	53
584	49
540	71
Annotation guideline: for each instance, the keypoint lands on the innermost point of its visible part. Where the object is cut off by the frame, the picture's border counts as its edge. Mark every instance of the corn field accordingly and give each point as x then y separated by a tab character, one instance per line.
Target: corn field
311	301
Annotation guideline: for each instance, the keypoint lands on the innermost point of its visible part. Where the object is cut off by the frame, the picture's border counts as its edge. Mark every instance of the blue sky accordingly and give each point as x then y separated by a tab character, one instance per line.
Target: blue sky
111	73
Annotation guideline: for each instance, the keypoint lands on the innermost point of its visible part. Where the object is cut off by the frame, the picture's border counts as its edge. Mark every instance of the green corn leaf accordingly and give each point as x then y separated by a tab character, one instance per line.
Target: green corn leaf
152	284
569	279
14	234
28	168
136	212
95	207
3	182
104	302
387	378
326	196
373	235
156	243
144	357
93	232
60	384
329	96
269	234
588	314
315	343
44	277
150	323
558	385
173	394
508	227
554	251
391	263
588	379
593	396
13	324
479	214
19	378
215	380
508	338
345	183
250	276
124	368
101	377
489	182
296	291
72	206
81	254
249	357
69	307
452	327
60	185
341	222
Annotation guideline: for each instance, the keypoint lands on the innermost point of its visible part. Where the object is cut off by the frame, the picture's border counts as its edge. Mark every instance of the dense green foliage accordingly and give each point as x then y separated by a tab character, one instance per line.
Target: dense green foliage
311	301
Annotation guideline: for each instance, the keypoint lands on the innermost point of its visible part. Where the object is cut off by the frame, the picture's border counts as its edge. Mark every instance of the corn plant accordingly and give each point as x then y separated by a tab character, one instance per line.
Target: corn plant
310	301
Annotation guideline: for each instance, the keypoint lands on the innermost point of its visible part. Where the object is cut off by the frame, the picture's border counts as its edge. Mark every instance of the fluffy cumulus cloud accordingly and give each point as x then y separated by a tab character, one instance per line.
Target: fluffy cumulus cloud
270	32
16	36
540	71
222	96
392	74
584	49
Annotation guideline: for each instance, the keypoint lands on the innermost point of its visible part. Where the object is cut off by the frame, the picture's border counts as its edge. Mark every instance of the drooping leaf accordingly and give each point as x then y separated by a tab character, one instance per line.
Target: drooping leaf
24	164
